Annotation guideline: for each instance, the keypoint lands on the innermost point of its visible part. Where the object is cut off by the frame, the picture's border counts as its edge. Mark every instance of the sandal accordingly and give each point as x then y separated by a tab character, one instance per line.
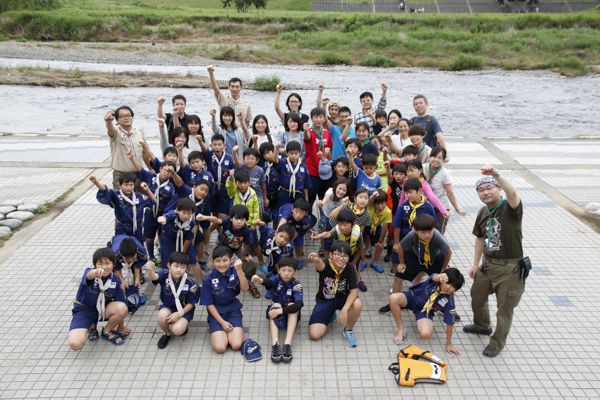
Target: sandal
123	335
112	337
93	334
321	252
254	292
403	338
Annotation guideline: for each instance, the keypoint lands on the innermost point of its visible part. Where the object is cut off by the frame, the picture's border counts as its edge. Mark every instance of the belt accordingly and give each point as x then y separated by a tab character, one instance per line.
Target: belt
505	261
287	190
81	304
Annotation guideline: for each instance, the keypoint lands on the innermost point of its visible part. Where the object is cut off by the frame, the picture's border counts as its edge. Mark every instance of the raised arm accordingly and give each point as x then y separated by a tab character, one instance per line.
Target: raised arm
320	95
387	138
99	185
306	132
149	193
176	178
347	129
353	164
319	264
236	159
159	112
213	81
110	126
164	138
244	126
135	162
334	213
511	193
277	100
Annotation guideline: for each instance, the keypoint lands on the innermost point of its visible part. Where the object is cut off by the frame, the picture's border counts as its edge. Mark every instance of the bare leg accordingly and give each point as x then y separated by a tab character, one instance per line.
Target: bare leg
219	341
353	314
397	301
274	333
206	244
162	320
180	326
291	327
299	252
418	278
197	272
317	331
259	254
236	338
425	327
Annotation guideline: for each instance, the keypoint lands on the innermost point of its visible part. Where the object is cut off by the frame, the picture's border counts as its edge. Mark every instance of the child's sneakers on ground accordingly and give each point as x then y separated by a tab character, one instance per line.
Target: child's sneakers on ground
276	353
300	266
202	264
362	286
255	292
287	353
163	341
350	338
377	268
385	309
363	266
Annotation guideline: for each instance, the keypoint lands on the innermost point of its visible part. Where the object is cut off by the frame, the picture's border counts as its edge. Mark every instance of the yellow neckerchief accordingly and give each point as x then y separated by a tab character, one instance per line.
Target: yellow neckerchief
431	300
426	255
413	214
337	277
356	211
375	223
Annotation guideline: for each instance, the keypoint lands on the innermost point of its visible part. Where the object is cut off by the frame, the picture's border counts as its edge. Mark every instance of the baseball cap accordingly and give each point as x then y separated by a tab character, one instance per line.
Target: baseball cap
251	350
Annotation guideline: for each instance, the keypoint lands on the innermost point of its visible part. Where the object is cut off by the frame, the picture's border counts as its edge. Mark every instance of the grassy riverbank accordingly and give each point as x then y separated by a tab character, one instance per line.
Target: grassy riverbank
569	43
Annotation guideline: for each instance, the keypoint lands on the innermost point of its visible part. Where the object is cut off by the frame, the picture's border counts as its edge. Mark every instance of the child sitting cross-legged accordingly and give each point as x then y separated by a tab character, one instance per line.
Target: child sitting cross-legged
178	293
221	286
100	297
285	310
435	294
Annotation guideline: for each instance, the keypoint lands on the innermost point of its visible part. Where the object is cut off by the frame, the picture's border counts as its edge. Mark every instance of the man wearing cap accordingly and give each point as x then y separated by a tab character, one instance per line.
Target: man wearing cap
498	228
124	137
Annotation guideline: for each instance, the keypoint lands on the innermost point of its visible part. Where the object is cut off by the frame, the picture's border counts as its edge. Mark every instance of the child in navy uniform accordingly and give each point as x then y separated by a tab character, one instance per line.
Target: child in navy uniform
131	255
424	299
177	233
222	285
298	215
294	180
219	164
129	218
285	310
275	245
269	162
194	171
179	295
338	290
101	296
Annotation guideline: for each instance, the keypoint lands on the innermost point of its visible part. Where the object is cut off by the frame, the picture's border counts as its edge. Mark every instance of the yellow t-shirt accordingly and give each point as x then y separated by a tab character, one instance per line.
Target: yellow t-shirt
384	217
381	168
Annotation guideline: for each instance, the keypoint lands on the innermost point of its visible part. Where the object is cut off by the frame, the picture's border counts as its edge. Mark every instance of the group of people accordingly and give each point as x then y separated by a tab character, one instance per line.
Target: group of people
378	180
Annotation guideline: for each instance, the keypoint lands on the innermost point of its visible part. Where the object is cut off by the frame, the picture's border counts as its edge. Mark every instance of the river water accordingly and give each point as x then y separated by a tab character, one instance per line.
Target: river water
470	104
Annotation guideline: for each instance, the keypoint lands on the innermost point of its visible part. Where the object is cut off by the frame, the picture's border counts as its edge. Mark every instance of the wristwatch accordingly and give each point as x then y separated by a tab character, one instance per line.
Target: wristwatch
496	176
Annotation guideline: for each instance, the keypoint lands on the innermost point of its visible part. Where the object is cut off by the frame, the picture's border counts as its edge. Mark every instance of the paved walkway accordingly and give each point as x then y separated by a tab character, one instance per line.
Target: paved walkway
552	351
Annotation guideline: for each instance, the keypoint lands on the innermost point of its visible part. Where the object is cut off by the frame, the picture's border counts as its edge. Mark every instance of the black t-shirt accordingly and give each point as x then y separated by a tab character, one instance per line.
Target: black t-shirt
170	125
396	192
347	282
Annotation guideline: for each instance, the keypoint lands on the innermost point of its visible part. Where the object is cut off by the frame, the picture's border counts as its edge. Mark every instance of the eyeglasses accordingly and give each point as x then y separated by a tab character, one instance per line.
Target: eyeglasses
293	102
486	189
365	100
341	256
125	116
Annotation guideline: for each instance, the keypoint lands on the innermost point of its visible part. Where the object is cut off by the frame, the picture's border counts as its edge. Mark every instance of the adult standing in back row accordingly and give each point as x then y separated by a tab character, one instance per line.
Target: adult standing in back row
434	134
366	102
124	137
498	228
233	99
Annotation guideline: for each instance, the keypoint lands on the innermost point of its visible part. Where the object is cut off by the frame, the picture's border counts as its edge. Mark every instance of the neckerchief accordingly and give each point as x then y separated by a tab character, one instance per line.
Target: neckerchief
159	185
426	255
365	143
177	292
269	252
320	136
219	170
433	173
490	219
101	302
376	222
431	300
422	148
133	207
337	277
127	275
244	197
413	213
293	177
356	211
199	203
180	235
269	164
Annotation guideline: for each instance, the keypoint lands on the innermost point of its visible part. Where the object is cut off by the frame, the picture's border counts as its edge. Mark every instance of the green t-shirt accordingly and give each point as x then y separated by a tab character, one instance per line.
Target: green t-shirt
505	240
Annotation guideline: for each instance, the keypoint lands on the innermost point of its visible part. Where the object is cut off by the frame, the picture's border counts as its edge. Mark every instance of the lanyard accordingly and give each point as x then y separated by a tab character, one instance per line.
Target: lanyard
490	218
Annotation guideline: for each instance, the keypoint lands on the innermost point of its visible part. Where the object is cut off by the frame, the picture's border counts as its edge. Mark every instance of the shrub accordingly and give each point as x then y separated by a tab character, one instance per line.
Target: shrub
378	61
331	58
462	62
267	83
30	5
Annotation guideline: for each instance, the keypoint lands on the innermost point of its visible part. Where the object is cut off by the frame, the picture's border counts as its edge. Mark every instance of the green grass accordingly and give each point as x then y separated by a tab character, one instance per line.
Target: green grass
267	83
292	35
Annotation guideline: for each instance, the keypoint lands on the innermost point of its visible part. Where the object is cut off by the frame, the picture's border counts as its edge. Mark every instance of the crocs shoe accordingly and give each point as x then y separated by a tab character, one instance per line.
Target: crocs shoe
264	269
300	266
362	286
377	268
350	338
143	299
362	266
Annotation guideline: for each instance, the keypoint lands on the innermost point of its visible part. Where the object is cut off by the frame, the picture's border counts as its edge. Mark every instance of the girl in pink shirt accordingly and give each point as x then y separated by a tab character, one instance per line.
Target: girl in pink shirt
414	169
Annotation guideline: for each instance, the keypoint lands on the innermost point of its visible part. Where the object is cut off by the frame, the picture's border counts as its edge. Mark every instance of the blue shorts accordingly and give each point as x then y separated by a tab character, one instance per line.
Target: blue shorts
281	320
414	267
375	237
233	317
127	229
166	249
151	224
253	236
411	304
199	237
299	241
83	317
221	203
188	316
324	310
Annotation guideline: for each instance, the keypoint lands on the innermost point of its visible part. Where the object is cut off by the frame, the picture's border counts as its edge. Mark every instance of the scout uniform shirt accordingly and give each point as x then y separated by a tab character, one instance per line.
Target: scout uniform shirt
270	249
301	226
221	290
402	218
141	256
87	294
285	174
120	143
271	174
286	293
421	292
185	191
212	166
167	188
170	229
124	210
188	295
237	105
189	177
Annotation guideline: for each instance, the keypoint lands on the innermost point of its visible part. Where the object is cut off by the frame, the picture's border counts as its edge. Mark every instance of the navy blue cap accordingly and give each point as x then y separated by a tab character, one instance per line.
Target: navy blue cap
251	350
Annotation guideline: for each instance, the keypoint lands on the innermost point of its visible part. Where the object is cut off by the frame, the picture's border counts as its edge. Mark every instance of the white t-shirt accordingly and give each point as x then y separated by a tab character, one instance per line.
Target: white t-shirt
262	139
330	205
437	185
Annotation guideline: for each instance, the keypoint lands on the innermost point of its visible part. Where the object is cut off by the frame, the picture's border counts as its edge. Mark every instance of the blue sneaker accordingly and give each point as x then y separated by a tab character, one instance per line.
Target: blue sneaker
334	318
269	294
377	268
142	299
300	266
202	264
264	269
363	266
350	338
